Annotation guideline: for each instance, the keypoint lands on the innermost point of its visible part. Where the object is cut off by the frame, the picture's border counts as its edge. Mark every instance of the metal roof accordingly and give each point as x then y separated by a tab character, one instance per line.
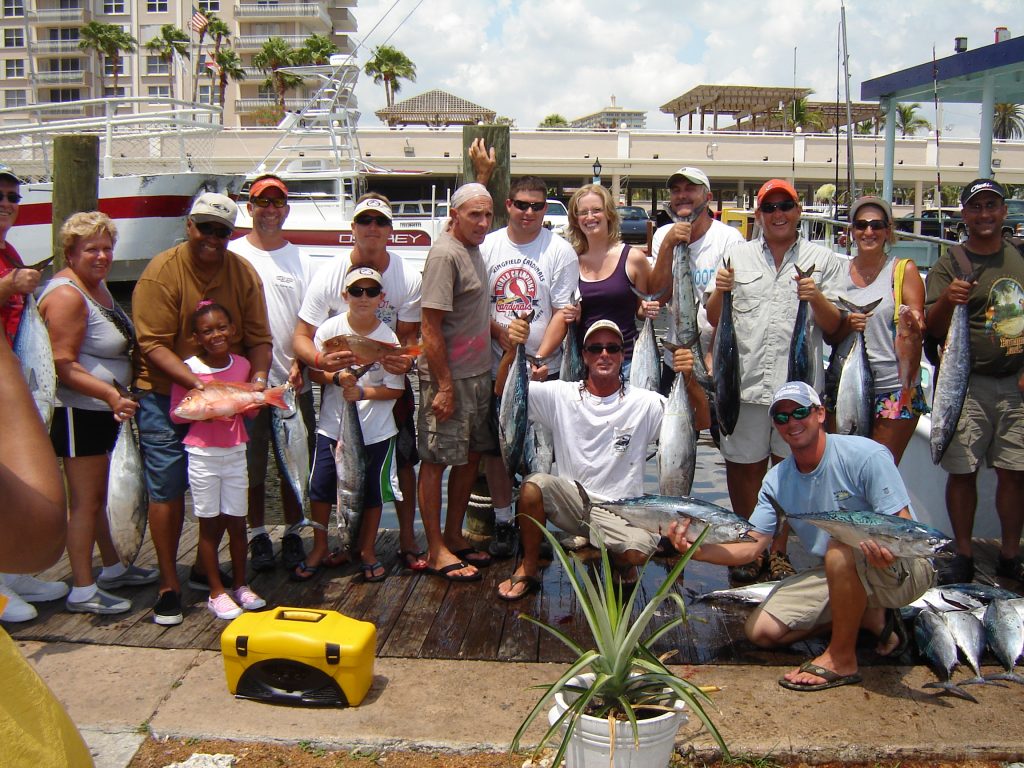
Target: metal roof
436	107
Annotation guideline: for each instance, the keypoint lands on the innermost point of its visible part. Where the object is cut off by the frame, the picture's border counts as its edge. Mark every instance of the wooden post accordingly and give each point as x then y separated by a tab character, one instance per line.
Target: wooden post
496	136
76	168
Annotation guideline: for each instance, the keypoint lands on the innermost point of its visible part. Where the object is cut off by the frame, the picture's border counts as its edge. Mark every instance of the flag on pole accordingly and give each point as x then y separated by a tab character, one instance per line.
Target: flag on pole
211	63
199	21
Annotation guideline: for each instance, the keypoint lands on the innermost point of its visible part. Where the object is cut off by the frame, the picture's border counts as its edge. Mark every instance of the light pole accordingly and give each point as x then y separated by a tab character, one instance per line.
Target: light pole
597	170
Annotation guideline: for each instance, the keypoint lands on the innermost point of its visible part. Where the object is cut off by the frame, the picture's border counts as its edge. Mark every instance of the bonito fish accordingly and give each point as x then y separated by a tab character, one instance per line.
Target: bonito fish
512	413
656	513
350	465
801	368
677	443
855	399
539	452
969	635
645	370
368	350
726	367
683	306
291	447
127	499
834	371
936	644
908	353
224	399
572	358
35	354
752	593
1005	632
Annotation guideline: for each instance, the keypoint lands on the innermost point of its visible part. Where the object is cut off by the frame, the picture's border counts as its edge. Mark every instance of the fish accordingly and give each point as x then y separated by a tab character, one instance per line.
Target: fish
539	452
35	354
683	306
752	593
291	447
655	513
726	367
800	366
645	370
951	381
350	465
969	635
513	409
225	399
127	498
936	644
834	371
369	350
908	353
940	599
572	368
855	399
1004	629
677	442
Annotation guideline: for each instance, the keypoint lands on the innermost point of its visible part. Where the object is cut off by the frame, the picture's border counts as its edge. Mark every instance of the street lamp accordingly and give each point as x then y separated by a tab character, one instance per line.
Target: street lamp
597	170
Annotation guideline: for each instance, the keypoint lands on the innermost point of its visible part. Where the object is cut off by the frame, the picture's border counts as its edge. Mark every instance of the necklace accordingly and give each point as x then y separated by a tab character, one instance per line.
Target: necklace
868	275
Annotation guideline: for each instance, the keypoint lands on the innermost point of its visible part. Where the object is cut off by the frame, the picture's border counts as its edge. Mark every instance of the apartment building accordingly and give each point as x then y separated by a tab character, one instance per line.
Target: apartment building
42	62
612	117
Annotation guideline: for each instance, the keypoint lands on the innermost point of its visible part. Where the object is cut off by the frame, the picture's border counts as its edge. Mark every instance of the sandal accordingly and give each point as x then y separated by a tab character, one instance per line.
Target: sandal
474	557
304	572
532	585
370	571
414	561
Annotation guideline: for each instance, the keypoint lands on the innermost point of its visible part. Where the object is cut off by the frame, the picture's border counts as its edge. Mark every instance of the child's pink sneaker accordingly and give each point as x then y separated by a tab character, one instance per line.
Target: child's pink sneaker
248	599
223	607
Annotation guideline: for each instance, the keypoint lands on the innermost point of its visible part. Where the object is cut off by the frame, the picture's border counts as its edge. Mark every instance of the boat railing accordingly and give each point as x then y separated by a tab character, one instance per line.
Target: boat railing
924	250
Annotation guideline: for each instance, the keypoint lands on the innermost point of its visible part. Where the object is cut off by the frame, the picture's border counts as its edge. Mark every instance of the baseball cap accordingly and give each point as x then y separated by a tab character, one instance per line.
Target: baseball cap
981	185
211	206
602	325
373	205
780	185
798	391
878	202
264	183
7	173
695	175
362	273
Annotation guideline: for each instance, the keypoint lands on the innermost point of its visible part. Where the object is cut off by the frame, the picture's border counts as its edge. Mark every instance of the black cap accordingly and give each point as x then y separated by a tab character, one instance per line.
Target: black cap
981	185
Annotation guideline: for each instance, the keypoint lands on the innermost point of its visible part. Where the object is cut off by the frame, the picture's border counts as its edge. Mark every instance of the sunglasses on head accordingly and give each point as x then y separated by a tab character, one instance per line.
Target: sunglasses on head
785	206
523	205
380	221
373	291
874	225
207	228
597	349
797	414
263	202
12	197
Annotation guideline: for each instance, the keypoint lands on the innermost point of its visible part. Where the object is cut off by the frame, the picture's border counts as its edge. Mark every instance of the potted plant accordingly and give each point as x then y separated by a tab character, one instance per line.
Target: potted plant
617	695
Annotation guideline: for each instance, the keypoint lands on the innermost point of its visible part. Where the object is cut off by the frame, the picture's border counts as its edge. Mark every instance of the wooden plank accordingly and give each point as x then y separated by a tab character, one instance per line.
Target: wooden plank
487	620
409	632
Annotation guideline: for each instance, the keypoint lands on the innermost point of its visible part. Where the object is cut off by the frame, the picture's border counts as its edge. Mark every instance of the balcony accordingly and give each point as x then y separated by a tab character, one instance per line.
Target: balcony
60	17
255	42
70	77
312	13
45	47
343	20
243	106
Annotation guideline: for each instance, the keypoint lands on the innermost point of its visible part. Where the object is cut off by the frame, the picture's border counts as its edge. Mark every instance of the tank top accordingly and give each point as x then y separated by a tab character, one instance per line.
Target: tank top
880	333
610	299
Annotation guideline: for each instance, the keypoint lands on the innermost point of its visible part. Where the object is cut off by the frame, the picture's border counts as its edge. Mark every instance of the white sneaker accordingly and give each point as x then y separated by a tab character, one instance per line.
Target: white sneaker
248	599
16	608
223	607
36	590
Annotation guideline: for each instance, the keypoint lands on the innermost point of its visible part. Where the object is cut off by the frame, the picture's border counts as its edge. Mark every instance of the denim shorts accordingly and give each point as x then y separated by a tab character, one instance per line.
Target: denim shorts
163	454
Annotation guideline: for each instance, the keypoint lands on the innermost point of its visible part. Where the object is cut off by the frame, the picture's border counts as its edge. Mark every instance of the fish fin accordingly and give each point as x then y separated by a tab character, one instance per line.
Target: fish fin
1012	677
780	513
584	496
980	681
801	273
276	396
954	689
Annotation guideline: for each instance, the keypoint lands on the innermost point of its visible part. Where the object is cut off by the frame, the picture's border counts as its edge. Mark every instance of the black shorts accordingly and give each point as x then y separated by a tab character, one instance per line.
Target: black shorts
78	432
405	419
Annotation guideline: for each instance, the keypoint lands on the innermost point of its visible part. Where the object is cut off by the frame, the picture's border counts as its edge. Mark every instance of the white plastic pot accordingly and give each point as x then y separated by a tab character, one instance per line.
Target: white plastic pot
590	742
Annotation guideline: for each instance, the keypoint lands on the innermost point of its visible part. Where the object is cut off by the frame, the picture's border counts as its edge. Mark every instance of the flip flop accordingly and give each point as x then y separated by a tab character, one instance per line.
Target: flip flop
532	585
369	569
446	572
894	624
474	557
414	561
832	679
301	568
336	558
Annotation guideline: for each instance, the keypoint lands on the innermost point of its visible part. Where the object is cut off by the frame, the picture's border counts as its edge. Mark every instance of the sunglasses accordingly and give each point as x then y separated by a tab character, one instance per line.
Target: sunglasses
372	291
597	349
207	228
874	225
785	206
798	414
12	197
380	221
522	205
263	202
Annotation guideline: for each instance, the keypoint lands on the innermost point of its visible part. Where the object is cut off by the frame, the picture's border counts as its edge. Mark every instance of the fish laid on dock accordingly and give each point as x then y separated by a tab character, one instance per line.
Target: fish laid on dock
1004	629
754	594
801	367
969	635
951	382
677	442
224	399
35	354
655	513
936	644
726	367
855	399
127	499
368	350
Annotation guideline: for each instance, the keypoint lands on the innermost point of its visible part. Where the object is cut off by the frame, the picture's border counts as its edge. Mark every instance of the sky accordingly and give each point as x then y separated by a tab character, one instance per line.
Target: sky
526	59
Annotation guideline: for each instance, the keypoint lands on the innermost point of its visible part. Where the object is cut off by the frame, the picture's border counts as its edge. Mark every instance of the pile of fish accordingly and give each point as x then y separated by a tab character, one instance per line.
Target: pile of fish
855	398
34	352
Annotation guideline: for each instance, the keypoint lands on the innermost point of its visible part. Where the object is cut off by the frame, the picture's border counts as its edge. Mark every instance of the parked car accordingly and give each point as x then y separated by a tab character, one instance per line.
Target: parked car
935	222
1013	226
633	223
556	218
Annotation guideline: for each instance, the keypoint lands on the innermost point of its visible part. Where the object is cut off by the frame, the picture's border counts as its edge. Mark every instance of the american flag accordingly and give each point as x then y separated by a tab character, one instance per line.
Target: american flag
199	22
211	63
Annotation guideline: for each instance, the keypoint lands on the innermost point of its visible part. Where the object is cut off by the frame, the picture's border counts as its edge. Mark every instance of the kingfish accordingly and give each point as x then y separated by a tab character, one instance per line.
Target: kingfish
683	306
801	367
908	353
1005	632
645	370
936	644
655	514
514	408
291	447
224	399
677	442
726	367
127	499
350	465
855	400
951	382
969	635
368	350
572	358
35	354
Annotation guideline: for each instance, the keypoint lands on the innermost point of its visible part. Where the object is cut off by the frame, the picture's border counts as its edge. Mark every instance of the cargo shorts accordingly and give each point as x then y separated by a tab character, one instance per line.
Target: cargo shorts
991	427
467	431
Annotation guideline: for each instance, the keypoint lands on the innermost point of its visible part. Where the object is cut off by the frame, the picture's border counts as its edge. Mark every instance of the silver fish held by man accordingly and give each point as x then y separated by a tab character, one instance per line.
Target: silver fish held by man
656	513
683	305
573	367
35	354
1004	630
291	447
855	399
801	367
645	370
127	499
677	441
908	346
834	371
936	644
539	452
726	367
514	409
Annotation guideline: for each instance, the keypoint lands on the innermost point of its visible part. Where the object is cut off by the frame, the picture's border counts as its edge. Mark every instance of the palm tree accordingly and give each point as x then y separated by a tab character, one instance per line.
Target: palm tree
171	40
908	121
274	55
217	29
388	66
317	49
229	68
554	120
806	119
1008	122
108	40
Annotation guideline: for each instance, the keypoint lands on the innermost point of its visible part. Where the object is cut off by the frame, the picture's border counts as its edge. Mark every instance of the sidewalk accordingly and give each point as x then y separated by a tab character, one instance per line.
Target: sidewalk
117	695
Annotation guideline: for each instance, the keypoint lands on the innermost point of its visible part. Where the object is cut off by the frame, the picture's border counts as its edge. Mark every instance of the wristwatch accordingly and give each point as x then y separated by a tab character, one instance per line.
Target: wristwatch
336	378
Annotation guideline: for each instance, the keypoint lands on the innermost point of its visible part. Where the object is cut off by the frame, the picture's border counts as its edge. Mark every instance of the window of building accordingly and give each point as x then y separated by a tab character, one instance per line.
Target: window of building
63	65
14	68
14	38
14	9
209	6
156	6
206	94
15	97
156	66
110	92
64	95
108	67
159	91
267	92
111	7
64	34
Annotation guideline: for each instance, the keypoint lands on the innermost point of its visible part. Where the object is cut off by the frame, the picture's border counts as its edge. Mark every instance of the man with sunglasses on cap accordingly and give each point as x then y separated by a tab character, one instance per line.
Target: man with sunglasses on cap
991	426
285	273
766	292
400	311
163	302
855	587
602	427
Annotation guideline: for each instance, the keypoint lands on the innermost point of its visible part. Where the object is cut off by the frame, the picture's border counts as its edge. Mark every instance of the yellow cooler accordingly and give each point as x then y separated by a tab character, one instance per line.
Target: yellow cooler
299	656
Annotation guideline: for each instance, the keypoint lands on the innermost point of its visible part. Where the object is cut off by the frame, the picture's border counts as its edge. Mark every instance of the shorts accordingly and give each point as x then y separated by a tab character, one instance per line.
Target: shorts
564	507
405	419
886	406
76	432
801	602
261	435
991	427
220	484
754	438
467	431
163	454
381	485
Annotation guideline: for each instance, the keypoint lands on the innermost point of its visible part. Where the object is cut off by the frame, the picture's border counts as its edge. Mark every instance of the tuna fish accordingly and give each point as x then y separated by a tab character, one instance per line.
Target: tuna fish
127	499
855	399
801	367
350	464
291	447
677	443
936	644
969	635
645	370
908	352
512	413
224	399
368	350
34	352
726	366
683	306
540	449
655	514
1005	631
572	358
752	593
834	371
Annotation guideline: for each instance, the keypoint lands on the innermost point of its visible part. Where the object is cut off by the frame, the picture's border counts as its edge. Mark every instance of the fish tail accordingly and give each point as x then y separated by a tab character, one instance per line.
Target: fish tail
413	349
1012	677
584	496
276	396
979	681
953	689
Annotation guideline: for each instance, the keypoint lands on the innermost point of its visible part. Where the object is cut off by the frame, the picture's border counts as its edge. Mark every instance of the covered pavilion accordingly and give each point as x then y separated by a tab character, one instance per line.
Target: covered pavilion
436	109
739	102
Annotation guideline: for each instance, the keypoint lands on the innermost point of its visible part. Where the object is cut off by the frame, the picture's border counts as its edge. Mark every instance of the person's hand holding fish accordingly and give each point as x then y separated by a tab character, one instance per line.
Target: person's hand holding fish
518	332
877	555
295	375
725	279
680	233
682	361
570	313
806	288
331	360
399	365
350	389
23	279
959	291
676	534
650	308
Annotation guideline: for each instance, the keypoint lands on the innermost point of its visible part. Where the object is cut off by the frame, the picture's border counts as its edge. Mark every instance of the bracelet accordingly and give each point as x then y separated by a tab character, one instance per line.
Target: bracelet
260	379
316	361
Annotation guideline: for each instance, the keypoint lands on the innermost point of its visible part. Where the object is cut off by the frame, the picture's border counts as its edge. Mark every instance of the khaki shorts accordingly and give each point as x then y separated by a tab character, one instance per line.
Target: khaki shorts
754	438
801	601
564	507
467	431
991	427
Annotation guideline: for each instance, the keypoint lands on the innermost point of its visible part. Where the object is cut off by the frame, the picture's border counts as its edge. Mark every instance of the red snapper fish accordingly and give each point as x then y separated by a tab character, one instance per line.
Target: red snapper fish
368	350
225	399
908	352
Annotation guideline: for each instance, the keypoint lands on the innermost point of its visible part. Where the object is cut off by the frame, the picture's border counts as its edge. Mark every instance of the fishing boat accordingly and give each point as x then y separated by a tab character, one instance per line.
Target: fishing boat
154	160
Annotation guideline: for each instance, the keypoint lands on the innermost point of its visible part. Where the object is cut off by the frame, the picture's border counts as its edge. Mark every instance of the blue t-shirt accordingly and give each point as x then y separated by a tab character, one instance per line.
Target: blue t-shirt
855	474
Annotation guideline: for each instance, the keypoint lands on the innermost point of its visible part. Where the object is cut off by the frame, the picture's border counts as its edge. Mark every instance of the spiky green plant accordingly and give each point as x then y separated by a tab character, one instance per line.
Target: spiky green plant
627	675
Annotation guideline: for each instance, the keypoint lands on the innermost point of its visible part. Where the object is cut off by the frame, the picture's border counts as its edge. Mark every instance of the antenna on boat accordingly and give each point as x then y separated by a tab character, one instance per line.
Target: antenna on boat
938	132
851	181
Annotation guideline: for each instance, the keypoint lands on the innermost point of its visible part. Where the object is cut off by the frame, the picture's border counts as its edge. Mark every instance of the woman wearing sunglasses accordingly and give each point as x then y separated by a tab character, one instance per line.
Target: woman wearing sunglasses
874	274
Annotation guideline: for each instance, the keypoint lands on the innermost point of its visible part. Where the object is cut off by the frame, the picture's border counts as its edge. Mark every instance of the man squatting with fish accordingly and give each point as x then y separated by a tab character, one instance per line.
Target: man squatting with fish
991	425
761	275
285	274
173	283
601	428
400	311
853	588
